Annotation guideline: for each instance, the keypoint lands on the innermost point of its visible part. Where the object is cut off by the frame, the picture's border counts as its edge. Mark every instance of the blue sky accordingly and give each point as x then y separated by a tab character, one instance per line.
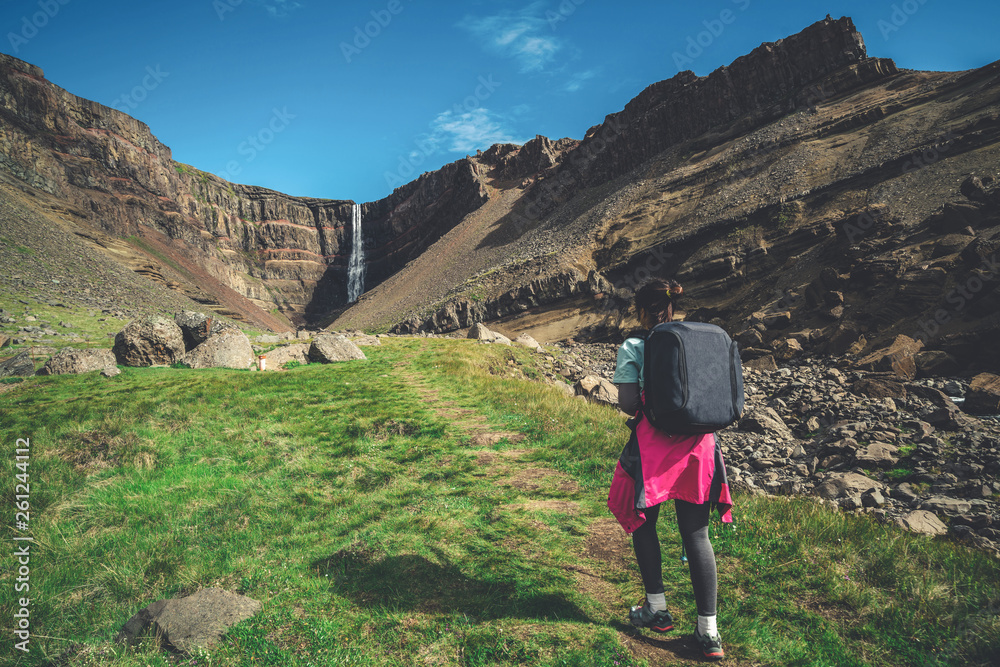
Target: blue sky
346	100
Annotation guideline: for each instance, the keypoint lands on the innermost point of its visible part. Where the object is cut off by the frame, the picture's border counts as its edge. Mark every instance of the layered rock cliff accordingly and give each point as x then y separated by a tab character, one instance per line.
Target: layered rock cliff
279	251
806	184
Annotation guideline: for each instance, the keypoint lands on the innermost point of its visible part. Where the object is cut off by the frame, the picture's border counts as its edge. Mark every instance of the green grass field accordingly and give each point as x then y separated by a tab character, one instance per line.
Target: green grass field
432	505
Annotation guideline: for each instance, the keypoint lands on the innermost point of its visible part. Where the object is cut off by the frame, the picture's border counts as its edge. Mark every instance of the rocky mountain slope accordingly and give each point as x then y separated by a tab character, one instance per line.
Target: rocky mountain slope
806	188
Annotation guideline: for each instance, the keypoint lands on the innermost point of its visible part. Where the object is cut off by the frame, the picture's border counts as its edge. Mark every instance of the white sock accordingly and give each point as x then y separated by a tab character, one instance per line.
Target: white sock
657	601
707	626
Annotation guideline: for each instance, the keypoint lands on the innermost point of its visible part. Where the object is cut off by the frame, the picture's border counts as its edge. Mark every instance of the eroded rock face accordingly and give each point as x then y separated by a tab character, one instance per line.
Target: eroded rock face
70	361
149	342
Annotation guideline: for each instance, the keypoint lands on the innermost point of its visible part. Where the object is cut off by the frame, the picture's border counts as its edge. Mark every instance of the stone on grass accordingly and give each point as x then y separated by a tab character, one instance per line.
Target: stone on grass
20	365
149	342
330	348
230	348
528	342
277	358
481	333
186	624
70	361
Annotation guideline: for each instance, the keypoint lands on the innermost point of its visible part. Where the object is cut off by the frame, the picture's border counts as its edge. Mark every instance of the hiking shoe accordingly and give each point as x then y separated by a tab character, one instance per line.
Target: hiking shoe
711	645
641	616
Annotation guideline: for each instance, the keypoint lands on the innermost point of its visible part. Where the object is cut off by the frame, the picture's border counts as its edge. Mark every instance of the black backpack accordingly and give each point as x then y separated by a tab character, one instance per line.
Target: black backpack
693	378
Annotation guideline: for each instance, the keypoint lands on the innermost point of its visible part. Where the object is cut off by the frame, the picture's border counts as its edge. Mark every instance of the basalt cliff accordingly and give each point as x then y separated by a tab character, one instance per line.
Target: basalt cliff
805	192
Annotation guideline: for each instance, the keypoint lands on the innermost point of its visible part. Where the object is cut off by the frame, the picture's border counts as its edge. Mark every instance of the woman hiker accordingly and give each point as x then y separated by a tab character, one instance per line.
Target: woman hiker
687	469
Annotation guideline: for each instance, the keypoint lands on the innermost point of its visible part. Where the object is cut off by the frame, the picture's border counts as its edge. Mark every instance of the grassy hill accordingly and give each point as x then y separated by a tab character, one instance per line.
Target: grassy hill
431	505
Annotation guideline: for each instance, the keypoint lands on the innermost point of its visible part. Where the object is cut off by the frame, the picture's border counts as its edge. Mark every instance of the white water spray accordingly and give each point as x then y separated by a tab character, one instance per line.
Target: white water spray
356	266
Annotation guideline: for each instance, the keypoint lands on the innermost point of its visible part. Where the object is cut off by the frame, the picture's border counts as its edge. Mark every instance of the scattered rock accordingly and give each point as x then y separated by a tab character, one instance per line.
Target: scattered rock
922	521
111	371
842	485
765	421
186	624
70	361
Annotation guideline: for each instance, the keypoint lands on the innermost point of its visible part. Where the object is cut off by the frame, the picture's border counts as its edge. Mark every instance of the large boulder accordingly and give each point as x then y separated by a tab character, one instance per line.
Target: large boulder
230	348
197	327
187	624
527	341
70	361
149	342
897	358
597	389
481	333
278	357
983	397
20	365
329	348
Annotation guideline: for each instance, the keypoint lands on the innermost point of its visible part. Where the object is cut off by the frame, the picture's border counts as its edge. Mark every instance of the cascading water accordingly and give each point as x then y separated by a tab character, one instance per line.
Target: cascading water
356	266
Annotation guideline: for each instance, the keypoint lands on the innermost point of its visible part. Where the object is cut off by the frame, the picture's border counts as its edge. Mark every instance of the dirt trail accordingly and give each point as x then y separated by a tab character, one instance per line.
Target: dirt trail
606	543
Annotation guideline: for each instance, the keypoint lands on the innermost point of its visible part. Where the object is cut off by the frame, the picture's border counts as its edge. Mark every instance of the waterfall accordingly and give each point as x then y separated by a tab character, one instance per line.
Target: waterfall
356	266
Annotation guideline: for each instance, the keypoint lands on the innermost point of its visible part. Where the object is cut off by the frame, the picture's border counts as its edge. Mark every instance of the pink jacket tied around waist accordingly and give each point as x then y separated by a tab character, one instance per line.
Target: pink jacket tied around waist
657	466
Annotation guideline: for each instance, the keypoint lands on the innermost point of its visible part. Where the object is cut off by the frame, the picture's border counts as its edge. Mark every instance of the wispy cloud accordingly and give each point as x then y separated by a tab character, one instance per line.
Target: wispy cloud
522	35
469	131
279	8
577	80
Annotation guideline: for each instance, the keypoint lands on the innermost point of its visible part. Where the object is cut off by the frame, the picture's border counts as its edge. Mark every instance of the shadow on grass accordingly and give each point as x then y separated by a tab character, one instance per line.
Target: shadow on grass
414	583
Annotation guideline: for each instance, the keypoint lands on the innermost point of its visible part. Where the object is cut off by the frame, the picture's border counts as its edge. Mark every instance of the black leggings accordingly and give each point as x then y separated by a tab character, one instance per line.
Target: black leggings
693	523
